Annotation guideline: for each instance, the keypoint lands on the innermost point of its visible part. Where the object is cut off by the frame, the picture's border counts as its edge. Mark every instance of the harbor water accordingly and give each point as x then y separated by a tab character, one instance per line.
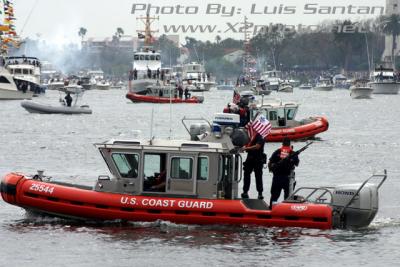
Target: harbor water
363	139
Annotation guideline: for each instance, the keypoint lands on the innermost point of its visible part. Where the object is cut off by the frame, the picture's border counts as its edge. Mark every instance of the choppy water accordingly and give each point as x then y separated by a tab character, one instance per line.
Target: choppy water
363	138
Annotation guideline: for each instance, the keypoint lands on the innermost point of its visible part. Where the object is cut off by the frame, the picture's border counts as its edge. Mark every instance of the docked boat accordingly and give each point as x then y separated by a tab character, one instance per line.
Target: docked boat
8	88
189	182
282	117
323	84
383	81
306	86
361	90
162	94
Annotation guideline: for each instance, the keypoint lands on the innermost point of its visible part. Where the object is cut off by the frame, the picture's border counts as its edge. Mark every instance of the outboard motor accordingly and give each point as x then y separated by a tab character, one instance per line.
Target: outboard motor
353	205
356	205
355	208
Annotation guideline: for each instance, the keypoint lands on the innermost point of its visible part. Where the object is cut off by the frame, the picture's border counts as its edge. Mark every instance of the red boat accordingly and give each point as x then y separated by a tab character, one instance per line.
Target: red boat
305	130
282	117
84	203
191	182
162	94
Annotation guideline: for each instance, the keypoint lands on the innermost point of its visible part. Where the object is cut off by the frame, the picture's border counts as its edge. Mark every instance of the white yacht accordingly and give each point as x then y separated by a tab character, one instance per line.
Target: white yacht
323	84
8	88
194	73
360	90
97	80
383	81
272	79
25	70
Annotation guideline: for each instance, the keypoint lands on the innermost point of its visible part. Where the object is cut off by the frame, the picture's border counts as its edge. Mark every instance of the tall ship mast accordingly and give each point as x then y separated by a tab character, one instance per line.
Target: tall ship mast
146	66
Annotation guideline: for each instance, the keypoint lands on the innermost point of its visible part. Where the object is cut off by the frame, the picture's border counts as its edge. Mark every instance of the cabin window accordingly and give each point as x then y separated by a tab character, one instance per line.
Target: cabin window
181	168
273	115
225	168
152	57
158	58
202	169
25	71
147	57
154	164
290	114
4	80
17	71
141	57
127	164
136	57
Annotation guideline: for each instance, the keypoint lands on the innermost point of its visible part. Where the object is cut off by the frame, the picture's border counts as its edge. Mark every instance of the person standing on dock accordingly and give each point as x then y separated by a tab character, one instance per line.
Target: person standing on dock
282	164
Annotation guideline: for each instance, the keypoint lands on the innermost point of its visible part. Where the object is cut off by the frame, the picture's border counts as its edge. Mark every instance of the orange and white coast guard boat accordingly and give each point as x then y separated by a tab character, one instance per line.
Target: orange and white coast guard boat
162	95
191	182
282	117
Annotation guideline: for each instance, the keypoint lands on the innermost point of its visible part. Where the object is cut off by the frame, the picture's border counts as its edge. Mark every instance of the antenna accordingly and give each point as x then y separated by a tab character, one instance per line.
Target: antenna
170	113
151	124
369	62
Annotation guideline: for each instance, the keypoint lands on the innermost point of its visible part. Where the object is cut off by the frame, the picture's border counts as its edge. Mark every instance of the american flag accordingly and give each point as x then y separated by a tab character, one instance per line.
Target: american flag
259	125
236	97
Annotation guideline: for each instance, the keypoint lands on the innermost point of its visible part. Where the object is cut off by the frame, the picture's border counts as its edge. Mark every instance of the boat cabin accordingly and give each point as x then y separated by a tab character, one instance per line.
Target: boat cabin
170	168
161	91
280	114
383	74
146	58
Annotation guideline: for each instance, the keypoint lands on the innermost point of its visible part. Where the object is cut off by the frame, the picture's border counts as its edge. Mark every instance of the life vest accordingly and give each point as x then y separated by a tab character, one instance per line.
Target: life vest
285	151
242	112
227	110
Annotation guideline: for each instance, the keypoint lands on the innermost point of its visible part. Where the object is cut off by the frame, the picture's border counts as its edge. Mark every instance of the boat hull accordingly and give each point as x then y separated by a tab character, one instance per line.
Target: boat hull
306	131
33	107
14	94
385	88
361	92
137	98
323	88
78	202
140	86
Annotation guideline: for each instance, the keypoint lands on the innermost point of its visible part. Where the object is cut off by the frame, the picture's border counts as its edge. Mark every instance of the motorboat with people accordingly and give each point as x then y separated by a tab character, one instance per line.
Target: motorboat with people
340	81
384	81
323	84
272	78
192	181
63	108
25	71
285	87
163	94
282	116
9	89
361	89
194	74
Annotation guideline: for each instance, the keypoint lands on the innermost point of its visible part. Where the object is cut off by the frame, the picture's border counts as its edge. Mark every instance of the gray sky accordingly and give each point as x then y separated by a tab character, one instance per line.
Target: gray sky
58	21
